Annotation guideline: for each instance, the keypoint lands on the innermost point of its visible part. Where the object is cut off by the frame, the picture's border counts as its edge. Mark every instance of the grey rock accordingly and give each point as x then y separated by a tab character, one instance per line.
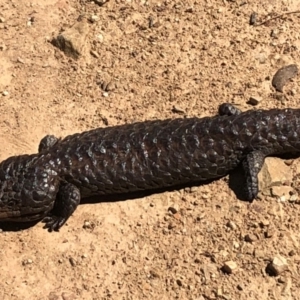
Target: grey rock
273	173
72	41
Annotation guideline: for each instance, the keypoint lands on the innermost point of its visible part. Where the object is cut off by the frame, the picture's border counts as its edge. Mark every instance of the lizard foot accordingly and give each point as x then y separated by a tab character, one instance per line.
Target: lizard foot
66	202
53	223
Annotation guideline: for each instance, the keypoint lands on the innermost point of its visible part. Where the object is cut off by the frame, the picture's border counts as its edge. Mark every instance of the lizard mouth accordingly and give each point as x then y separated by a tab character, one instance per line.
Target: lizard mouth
17	216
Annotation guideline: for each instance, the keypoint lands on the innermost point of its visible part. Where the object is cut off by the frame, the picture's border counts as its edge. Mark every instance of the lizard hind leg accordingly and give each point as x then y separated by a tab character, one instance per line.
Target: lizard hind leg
67	200
252	165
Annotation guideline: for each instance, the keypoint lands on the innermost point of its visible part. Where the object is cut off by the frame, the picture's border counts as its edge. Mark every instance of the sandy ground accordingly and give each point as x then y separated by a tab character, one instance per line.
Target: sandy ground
162	59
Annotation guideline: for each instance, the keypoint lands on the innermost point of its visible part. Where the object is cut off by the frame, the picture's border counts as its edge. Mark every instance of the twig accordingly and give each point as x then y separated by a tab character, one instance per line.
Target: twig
278	16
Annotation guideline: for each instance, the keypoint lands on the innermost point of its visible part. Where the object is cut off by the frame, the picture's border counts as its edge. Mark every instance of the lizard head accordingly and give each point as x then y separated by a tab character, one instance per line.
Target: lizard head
27	188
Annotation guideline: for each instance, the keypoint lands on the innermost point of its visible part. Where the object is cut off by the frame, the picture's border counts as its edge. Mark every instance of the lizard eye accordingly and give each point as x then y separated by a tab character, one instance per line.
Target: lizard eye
11	203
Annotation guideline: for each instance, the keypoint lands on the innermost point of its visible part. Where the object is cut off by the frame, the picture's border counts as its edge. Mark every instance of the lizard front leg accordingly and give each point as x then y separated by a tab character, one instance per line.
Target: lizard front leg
47	142
66	202
227	109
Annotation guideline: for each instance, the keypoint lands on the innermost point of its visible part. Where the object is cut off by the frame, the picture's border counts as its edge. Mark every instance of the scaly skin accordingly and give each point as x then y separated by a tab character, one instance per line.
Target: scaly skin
142	156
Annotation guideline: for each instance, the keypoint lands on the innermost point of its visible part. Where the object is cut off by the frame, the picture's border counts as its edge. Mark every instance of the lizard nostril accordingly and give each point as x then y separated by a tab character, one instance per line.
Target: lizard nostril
38	195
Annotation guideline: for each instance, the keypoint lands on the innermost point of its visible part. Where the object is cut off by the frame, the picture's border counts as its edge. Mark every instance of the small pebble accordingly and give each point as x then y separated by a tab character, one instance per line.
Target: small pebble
270	232
27	262
110	87
20	60
189	10
282	192
5	93
219	293
231	225
283	75
292	253
193	189
100	37
281	280
274	33
204	196
2	47
253	101
94	18
105	94
265	223
236	245
173	209
262	58
179	282
259	253
250	238
294	198
171	225
155	273
229	267
101	2
277	266
201	217
177	110
94	53
190	287
177	216
87	225
72	261
253	18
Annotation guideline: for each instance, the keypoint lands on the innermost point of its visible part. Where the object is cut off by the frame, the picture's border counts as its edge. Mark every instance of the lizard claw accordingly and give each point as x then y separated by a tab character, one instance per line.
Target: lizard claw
54	223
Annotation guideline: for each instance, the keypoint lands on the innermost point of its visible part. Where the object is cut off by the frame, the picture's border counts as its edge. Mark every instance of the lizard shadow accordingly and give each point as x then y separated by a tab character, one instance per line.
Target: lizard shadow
237	183
140	194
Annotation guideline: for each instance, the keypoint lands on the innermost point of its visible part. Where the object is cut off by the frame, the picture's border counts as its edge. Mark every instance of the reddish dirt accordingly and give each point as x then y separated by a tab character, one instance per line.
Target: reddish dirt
195	56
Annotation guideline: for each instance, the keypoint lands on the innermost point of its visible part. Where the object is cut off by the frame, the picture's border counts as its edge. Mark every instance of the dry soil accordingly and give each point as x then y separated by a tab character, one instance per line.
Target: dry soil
161	59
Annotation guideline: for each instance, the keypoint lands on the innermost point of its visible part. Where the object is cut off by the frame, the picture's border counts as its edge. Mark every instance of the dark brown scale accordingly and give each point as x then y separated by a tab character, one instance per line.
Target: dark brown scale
142	156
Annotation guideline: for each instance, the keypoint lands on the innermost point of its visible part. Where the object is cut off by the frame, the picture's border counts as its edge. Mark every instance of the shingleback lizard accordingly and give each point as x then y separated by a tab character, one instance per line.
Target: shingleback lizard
142	156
